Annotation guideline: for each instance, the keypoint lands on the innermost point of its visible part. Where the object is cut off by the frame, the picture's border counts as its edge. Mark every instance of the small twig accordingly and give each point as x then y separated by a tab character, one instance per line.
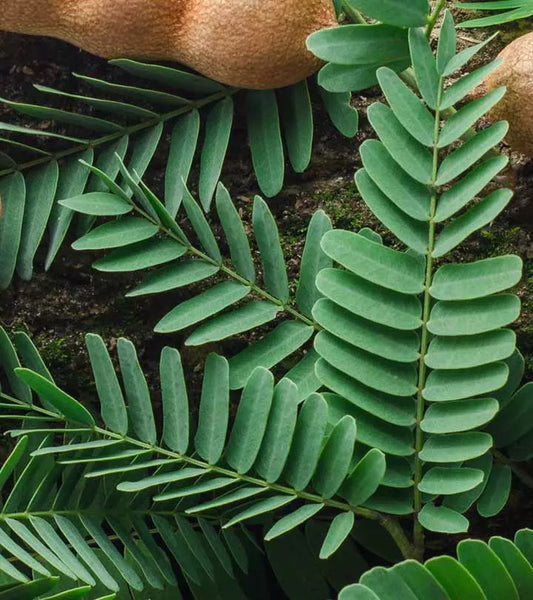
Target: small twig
433	18
521	473
353	14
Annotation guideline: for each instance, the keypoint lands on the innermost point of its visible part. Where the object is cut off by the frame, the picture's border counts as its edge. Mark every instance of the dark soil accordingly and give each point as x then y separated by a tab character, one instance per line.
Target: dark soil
57	308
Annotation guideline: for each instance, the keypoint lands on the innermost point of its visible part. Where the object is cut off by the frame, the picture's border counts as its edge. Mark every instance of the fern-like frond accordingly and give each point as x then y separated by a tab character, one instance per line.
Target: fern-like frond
416	350
498	569
76	480
154	238
134	126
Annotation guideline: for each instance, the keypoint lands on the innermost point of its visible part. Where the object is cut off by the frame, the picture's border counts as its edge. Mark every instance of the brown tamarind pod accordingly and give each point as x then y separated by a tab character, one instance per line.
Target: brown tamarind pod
516	107
244	43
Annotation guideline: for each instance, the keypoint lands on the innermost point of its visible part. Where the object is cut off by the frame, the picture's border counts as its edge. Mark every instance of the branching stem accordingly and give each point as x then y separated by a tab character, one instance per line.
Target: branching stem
138	127
389	523
230	272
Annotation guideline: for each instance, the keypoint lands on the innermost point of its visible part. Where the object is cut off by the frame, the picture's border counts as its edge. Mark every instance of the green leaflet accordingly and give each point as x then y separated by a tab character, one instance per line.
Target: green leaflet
63	403
342	115
313	261
479	215
251	421
218	129
374	262
306	446
352	78
405	150
72	181
447	45
409	109
239	246
41	191
115	234
201	227
515	563
466	117
462	415
464	352
368	300
365	479
387	342
411	232
496	493
443	480
10	362
293	520
137	393
175	276
285	339
13	193
266	232
279	432
458	90
339	530
393	378
97	203
182	147
336	457
394	12
393	410
487	568
143	255
265	140
109	392
297	123
512	422
261	507
455	447
474	316
372	431
201	307
410	196
442	520
214	410
359	44
467	281
175	401
425	67
247	317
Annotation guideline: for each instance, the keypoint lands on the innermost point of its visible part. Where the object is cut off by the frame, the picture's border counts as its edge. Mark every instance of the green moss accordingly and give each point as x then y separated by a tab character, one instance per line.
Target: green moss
344	207
53	350
19	324
501	241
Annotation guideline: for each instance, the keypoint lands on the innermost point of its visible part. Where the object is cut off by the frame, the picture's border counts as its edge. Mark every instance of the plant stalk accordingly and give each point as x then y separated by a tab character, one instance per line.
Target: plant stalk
434	16
78	148
519	472
418	530
351	13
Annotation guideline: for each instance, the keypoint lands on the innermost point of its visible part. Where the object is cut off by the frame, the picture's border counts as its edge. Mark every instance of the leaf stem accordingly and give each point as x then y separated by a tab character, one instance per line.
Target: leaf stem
433	18
521	473
418	531
352	14
138	127
391	524
230	272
